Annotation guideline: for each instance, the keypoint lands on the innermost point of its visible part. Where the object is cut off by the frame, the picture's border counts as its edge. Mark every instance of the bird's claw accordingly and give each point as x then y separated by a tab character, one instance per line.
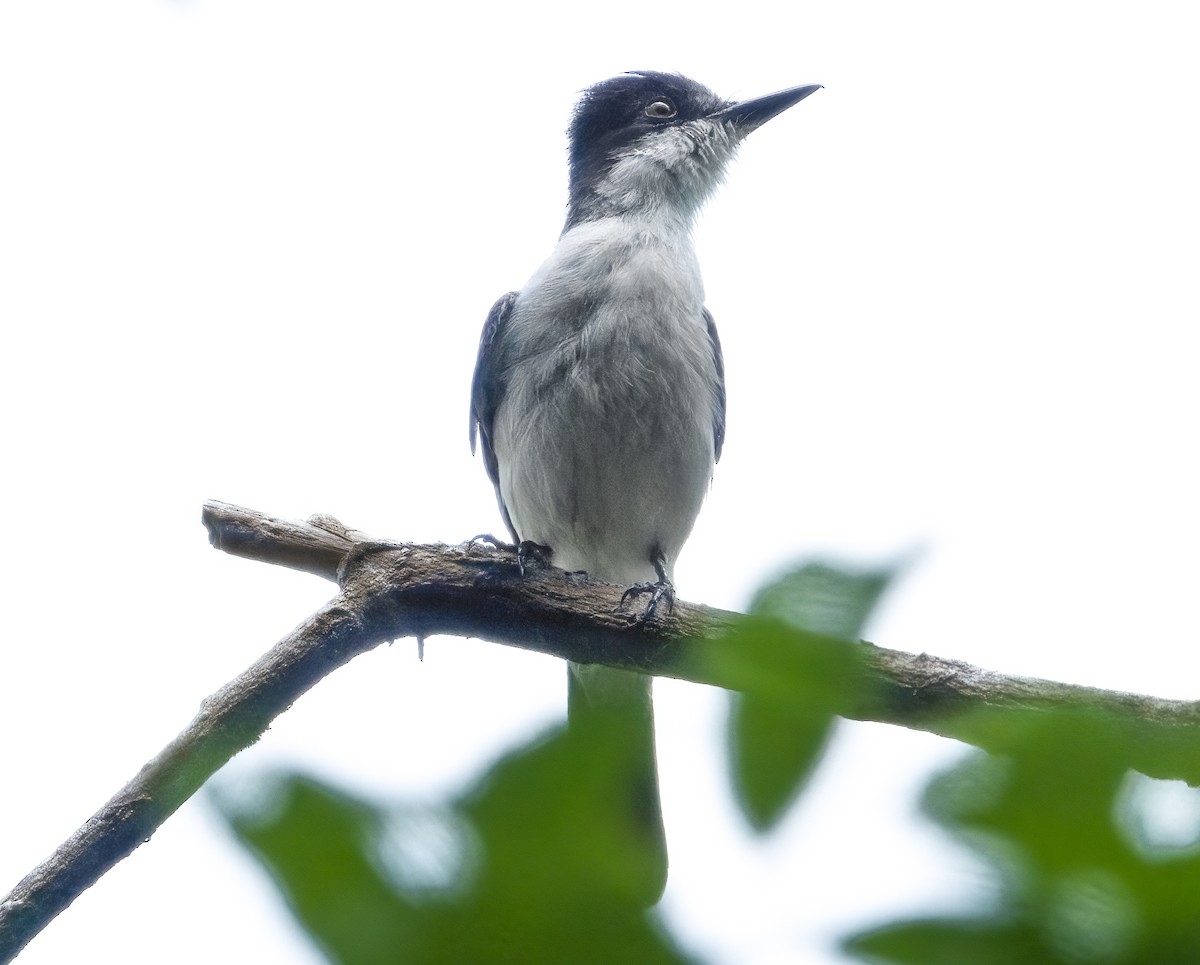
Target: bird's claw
530	552
664	589
493	541
527	551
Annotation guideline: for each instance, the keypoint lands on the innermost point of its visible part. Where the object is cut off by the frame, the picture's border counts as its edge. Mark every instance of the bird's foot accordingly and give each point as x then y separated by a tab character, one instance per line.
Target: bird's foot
490	540
527	551
530	552
662	590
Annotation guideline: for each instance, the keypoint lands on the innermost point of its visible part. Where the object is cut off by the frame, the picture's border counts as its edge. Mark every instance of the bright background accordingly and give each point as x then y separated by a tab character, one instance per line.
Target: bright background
246	249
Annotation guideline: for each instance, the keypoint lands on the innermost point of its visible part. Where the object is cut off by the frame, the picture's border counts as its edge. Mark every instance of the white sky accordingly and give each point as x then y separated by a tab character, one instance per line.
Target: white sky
245	253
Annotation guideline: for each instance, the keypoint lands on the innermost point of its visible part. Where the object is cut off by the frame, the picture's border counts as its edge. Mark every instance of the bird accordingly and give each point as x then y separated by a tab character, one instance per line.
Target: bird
598	395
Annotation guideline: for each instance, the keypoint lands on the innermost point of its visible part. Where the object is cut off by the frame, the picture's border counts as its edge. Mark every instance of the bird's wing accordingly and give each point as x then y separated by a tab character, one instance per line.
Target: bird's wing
719	360
487	391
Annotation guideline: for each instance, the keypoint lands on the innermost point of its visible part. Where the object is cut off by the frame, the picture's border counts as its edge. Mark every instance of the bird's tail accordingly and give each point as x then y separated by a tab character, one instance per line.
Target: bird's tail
615	708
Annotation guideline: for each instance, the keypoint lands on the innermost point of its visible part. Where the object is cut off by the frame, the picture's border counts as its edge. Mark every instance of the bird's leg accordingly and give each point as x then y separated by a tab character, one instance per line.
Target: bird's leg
527	550
664	589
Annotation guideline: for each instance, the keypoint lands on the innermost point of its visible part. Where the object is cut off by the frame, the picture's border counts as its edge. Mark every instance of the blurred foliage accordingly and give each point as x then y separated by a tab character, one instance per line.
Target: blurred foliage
1082	869
824	599
528	867
793	663
532	864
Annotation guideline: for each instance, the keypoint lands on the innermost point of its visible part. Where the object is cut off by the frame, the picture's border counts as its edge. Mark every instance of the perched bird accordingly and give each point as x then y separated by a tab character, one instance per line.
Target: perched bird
599	392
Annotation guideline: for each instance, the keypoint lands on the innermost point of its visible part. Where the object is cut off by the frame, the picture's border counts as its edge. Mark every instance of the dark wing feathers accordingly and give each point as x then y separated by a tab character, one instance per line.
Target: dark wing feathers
487	391
719	359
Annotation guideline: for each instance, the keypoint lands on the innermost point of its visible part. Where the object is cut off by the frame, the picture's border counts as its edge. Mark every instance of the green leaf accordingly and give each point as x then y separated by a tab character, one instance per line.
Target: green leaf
1048	812
950	943
795	667
532	865
791	684
773	750
568	797
824	599
566	870
1051	788
321	847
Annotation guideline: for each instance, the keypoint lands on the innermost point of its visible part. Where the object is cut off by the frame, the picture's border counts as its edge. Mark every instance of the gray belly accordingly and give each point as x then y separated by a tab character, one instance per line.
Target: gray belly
605	443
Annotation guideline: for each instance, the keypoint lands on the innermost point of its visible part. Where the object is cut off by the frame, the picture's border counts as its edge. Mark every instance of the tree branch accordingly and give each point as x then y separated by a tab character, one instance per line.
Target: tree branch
392	590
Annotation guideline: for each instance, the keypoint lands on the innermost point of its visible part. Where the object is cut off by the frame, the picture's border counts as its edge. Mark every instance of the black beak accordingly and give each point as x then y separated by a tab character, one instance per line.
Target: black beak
752	114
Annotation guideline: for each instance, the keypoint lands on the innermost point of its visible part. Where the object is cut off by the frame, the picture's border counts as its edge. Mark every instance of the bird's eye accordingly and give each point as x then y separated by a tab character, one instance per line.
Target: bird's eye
660	109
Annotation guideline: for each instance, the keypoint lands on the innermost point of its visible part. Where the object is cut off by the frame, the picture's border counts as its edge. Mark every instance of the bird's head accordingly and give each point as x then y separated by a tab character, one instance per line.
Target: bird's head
646	141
